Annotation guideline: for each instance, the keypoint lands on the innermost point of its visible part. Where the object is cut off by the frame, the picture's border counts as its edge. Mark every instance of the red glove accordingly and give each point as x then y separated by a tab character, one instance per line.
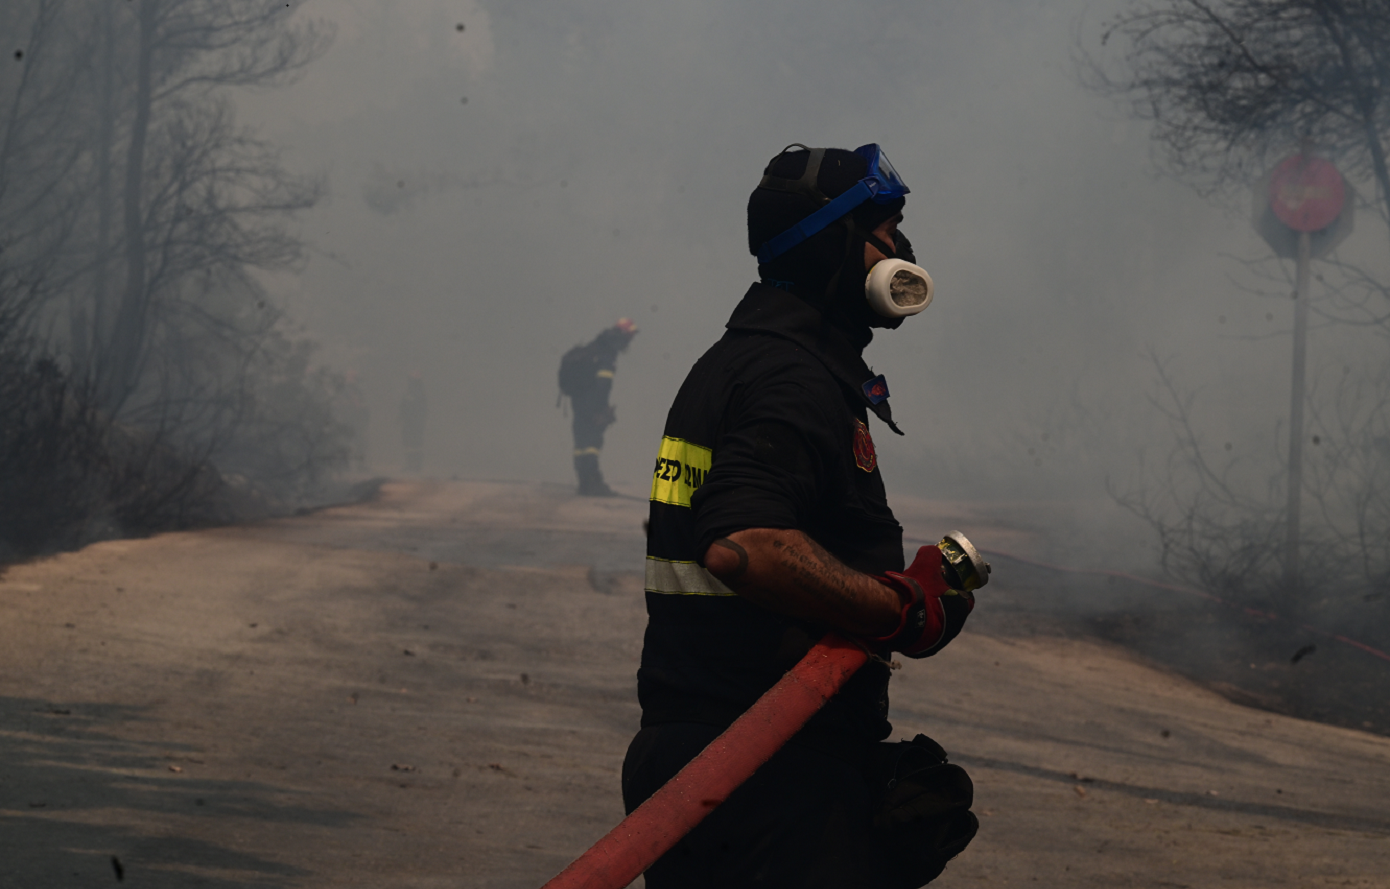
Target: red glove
932	612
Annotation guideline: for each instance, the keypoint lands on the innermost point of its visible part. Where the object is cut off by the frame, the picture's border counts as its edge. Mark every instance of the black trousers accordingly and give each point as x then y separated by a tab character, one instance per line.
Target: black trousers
802	821
588	444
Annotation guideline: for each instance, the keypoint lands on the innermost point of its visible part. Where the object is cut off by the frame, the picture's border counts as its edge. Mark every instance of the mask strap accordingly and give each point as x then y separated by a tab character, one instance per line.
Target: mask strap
855	237
807	183
890	251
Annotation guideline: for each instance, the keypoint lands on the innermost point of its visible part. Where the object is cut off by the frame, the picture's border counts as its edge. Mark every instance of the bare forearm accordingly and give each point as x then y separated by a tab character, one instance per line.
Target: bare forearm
785	571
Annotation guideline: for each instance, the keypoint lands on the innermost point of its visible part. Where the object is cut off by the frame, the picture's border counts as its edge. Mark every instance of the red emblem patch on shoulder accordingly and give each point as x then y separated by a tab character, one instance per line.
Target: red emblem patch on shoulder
864	456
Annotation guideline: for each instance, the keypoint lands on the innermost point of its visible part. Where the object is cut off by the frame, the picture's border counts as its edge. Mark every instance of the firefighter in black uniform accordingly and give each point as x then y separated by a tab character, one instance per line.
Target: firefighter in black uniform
769	526
412	413
586	376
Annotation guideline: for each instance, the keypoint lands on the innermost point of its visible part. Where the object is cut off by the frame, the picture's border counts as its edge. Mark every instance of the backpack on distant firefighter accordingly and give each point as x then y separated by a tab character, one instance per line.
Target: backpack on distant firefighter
577	369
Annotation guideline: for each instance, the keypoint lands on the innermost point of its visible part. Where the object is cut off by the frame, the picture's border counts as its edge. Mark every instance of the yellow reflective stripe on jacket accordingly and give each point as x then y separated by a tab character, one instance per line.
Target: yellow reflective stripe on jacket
605	374
682	579
681	467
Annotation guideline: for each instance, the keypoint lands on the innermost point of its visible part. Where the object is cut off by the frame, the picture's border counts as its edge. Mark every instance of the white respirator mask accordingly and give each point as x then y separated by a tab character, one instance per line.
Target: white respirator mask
897	288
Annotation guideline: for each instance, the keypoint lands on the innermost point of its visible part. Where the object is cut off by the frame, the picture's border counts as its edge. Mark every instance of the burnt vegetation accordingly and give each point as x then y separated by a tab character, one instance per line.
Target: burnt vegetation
1229	88
147	381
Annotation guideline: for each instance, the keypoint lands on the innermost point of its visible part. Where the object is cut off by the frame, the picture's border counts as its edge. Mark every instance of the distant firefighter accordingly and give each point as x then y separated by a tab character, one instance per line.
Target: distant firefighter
350	406
413	411
586	376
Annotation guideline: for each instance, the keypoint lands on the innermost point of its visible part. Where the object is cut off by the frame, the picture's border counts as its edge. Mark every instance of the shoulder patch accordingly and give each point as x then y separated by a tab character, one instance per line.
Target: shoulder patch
680	469
864	456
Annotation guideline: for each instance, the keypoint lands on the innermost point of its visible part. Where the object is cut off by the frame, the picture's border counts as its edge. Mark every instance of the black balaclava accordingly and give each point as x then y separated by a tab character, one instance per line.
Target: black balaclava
827	269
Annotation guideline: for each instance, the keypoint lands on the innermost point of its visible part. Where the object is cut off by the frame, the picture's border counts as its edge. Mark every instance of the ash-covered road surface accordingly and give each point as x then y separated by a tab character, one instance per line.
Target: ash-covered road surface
437	689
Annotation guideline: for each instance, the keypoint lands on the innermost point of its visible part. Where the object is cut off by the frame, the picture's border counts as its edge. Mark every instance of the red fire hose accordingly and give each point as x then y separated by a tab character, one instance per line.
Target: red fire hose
708	779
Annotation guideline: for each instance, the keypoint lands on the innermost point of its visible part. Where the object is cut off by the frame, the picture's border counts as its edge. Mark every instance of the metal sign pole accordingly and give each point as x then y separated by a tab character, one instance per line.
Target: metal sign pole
1300	348
1303	209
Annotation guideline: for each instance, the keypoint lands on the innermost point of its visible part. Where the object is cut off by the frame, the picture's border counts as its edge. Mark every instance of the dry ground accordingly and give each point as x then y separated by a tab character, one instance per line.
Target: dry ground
437	688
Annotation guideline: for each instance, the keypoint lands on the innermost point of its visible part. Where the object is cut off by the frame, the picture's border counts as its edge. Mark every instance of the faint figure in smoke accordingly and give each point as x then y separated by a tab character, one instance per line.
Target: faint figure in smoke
586	376
351	409
412	415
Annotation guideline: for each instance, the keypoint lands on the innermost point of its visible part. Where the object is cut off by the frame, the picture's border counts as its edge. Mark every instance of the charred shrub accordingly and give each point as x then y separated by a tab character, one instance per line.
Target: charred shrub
52	455
70	474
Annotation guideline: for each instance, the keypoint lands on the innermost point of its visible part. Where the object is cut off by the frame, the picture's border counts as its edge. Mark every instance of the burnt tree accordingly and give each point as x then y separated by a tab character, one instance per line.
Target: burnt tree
1232	85
198	193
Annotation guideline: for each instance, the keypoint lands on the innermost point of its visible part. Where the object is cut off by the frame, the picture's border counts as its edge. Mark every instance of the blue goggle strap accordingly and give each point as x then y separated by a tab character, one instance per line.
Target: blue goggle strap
880	185
815	223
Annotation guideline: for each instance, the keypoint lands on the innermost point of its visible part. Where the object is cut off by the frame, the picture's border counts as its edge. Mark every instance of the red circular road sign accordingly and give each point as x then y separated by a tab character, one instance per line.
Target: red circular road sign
1306	193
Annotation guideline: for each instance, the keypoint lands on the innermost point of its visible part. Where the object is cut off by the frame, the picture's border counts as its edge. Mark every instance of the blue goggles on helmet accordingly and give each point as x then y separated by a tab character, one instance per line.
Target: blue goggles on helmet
882	185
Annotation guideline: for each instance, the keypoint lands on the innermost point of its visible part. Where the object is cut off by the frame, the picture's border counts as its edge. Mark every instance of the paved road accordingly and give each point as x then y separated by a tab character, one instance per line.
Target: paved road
436	689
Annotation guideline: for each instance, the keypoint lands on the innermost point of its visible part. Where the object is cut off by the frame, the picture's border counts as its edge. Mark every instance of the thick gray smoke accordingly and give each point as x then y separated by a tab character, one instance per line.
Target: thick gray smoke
504	189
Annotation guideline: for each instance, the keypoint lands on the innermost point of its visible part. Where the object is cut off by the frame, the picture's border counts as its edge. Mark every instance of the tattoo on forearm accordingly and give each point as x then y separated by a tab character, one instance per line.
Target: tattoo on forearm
737	550
816	569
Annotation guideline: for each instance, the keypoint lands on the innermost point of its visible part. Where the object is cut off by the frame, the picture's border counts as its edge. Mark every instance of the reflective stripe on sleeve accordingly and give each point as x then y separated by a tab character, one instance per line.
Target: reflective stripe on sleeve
682	579
604	374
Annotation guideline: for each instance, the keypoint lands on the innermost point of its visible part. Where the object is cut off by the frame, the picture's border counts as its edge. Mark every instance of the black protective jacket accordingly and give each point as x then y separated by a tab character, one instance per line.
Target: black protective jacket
769	430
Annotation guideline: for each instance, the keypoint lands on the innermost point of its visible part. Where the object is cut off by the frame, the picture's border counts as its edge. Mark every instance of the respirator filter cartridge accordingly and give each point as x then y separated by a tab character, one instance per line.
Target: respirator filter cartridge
897	288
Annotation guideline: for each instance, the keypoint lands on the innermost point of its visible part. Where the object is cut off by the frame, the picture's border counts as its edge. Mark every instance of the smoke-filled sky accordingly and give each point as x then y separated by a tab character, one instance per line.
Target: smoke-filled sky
501	193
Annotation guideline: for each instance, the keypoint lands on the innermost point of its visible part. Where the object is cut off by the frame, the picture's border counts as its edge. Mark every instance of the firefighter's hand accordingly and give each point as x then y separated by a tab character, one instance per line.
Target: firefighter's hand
608	416
932	613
